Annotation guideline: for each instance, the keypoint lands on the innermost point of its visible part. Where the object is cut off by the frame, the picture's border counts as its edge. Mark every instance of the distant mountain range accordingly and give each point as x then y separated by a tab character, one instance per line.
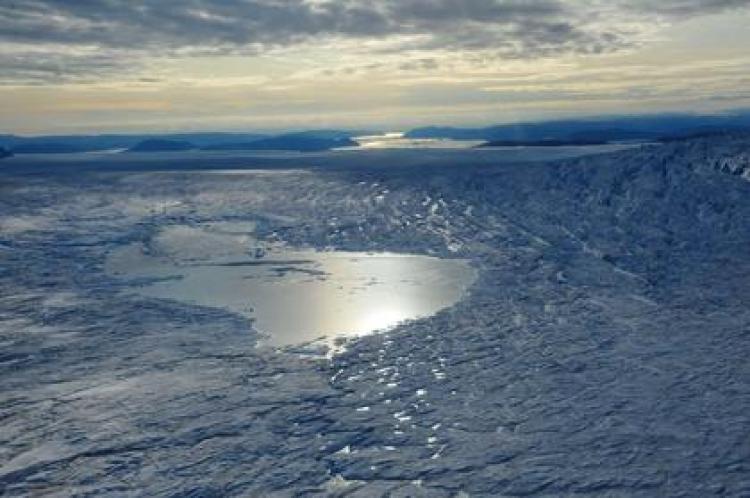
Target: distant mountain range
583	131
595	130
542	143
161	145
313	140
90	143
300	142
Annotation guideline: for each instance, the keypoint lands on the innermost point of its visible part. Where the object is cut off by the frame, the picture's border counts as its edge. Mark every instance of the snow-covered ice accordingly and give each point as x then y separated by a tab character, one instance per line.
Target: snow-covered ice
602	350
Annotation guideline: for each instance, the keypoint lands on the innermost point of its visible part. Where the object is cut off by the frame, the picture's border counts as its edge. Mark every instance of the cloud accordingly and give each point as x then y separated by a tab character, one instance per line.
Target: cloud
56	65
94	38
683	8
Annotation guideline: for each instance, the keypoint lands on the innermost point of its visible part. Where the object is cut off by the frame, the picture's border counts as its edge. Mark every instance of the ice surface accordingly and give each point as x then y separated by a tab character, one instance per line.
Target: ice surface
601	352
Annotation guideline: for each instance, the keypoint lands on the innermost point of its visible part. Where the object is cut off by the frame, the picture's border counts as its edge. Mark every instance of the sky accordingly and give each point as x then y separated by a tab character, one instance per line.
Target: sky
85	66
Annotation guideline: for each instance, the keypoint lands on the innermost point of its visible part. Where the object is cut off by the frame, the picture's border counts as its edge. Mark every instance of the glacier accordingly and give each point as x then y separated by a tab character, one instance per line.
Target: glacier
602	350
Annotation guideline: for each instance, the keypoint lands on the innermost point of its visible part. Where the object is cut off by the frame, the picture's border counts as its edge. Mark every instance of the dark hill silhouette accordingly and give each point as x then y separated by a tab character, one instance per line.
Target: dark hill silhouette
299	142
161	145
47	148
312	140
56	144
541	143
612	128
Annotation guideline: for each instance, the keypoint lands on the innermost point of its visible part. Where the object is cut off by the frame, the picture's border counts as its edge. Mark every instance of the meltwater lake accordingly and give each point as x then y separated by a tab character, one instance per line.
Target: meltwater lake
292	296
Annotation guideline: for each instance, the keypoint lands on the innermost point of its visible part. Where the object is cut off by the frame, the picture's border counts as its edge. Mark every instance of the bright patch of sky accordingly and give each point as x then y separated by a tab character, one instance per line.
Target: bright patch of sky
265	64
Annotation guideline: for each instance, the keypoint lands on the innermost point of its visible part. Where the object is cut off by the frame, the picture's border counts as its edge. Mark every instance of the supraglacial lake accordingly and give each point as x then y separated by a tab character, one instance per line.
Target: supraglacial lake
292	296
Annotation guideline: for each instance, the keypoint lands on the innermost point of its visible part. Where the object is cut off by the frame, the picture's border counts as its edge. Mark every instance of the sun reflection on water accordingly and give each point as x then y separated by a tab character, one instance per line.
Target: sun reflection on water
298	296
